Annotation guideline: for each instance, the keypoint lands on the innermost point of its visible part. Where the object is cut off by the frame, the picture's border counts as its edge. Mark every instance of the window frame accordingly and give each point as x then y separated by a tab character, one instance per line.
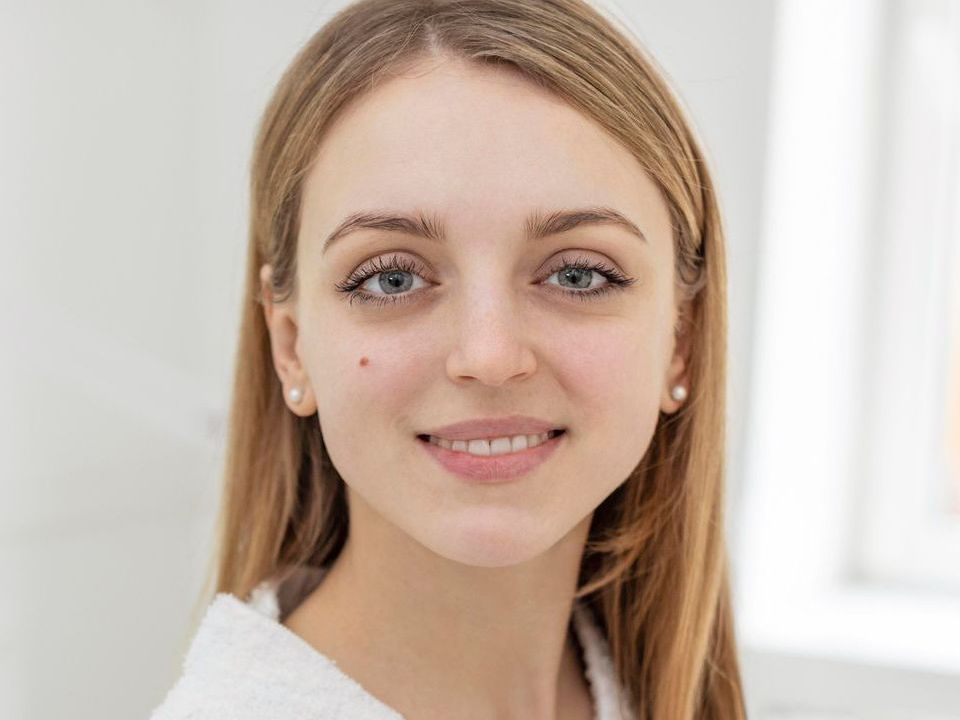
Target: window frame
807	592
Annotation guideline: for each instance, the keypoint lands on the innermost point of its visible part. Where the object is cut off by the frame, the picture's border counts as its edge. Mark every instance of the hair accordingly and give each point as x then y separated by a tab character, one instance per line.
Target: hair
654	571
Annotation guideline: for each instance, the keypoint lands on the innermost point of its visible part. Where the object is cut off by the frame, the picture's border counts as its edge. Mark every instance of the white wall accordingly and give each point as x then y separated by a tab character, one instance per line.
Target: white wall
125	134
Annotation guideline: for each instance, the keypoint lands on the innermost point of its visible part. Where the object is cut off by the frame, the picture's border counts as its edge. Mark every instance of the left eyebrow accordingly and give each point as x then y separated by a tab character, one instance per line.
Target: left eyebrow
537	226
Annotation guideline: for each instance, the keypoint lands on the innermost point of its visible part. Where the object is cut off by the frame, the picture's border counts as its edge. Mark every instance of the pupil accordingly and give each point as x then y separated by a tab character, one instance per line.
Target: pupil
583	273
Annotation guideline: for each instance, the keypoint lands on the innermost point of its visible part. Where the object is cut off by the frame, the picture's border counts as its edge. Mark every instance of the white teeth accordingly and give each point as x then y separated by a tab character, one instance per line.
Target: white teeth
495	446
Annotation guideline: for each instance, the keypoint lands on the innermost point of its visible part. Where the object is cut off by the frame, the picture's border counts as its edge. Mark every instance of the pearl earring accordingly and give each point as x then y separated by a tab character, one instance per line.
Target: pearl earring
679	393
296	395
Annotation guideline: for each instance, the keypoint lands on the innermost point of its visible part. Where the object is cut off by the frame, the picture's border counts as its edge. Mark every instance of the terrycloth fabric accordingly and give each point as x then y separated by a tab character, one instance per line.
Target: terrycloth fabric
243	664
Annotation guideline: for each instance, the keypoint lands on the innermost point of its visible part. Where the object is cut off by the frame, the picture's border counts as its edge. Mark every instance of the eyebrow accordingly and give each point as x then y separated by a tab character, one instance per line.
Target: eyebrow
537	226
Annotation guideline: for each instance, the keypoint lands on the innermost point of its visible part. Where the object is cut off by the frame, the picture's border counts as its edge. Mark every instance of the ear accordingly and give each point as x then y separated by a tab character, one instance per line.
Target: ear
679	361
281	322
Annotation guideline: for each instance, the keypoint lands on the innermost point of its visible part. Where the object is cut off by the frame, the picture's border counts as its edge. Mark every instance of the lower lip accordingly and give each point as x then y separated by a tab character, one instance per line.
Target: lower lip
493	468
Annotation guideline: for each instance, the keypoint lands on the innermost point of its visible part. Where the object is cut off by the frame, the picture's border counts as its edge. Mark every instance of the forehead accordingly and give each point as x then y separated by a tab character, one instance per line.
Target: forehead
480	147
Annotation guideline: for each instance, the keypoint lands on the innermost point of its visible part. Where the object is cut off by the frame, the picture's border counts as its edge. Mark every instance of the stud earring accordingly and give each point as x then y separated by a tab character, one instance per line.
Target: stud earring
296	395
679	393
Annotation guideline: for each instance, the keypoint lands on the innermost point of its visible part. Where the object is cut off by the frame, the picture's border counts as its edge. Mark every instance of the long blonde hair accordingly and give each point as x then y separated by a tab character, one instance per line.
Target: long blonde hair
655	568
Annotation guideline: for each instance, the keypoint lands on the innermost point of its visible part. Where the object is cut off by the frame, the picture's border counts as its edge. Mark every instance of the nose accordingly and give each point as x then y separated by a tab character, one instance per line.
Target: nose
490	340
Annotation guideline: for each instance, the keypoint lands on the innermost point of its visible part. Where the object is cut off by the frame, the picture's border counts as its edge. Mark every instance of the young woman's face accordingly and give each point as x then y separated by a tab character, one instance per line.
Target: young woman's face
485	323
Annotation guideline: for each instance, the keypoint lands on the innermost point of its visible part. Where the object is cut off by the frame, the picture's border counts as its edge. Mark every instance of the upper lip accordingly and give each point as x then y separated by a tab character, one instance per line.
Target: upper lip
494	427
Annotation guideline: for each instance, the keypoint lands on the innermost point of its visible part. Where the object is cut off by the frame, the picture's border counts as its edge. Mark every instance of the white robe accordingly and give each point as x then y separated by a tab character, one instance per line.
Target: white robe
244	664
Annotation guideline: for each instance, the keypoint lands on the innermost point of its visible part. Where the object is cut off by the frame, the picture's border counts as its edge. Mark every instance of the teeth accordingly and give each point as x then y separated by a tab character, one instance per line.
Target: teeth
494	446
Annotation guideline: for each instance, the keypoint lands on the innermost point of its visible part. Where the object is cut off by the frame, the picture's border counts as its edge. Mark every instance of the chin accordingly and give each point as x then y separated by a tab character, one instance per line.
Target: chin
491	541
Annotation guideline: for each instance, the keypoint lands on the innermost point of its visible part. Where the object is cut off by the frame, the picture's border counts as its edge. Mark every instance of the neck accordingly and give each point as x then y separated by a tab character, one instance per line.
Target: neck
429	636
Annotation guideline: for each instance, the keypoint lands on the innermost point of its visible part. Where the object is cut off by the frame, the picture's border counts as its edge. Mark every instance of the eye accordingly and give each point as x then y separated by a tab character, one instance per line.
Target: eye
580	272
390	275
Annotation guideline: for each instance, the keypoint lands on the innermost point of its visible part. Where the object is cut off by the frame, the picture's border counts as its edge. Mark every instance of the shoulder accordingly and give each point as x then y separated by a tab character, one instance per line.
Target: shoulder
213	679
243	664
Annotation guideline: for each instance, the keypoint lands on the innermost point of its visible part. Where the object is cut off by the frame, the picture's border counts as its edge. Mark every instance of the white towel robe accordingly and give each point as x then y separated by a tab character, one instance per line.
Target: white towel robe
243	664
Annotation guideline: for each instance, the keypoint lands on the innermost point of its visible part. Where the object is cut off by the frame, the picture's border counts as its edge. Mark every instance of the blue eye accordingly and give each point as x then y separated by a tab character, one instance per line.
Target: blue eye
391	274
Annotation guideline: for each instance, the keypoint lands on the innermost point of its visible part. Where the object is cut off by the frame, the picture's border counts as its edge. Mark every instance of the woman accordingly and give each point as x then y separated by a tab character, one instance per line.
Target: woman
476	450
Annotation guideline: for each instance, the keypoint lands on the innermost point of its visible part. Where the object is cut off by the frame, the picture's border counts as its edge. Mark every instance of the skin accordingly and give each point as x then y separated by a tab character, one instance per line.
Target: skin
453	599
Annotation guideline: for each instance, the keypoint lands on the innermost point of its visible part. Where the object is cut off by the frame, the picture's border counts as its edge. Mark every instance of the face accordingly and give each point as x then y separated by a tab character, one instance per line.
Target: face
485	322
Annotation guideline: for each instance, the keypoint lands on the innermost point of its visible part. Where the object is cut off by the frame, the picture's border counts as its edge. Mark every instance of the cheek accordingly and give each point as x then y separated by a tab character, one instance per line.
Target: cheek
609	366
611	377
367	379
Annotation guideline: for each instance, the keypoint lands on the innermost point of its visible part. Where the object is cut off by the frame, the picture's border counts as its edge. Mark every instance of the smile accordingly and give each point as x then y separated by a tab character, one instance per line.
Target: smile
476	461
494	446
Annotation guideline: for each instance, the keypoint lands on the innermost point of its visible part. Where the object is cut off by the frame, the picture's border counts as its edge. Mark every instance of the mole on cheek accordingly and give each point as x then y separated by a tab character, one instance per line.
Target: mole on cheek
364	361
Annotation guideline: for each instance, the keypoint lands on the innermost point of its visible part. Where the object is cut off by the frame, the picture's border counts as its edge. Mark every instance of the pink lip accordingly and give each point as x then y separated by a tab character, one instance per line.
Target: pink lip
493	468
493	428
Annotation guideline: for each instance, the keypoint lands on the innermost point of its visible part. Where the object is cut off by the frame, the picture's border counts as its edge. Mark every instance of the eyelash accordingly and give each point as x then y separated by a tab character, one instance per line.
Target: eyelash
351	286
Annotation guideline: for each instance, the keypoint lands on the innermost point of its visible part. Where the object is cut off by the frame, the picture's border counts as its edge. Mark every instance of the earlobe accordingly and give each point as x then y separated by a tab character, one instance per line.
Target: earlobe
679	387
299	404
265	274
679	390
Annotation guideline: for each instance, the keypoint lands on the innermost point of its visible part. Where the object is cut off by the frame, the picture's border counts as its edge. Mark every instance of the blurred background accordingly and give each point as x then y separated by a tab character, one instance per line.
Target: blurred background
833	127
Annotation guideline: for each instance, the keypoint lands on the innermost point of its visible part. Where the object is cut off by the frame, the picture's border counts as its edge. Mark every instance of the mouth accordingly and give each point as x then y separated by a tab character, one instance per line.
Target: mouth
481	461
489	447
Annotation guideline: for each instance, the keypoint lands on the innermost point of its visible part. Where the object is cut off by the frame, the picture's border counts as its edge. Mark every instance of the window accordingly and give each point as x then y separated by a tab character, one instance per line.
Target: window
847	552
911	480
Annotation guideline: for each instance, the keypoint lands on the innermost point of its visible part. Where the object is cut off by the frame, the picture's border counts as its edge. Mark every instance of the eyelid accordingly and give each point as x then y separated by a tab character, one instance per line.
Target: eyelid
396	260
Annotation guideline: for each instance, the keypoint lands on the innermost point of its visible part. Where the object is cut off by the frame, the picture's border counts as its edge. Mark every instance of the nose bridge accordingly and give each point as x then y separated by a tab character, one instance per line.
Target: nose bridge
490	330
